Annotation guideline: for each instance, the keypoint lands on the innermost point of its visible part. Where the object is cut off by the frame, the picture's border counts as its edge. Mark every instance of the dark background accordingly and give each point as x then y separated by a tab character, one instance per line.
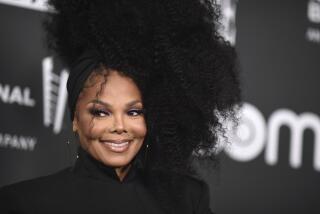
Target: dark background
280	70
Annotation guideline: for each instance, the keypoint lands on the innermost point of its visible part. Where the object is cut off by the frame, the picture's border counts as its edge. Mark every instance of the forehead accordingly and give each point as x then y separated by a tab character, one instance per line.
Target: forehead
108	85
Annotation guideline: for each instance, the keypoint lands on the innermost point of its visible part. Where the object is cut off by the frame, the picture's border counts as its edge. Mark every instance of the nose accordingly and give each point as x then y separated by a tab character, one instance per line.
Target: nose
118	125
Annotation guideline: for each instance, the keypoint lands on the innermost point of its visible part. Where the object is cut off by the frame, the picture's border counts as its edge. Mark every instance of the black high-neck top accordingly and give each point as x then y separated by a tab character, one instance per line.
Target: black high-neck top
88	187
91	187
89	167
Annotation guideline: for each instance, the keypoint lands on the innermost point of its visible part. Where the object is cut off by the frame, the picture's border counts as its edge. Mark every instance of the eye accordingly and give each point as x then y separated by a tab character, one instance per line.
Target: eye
135	112
98	112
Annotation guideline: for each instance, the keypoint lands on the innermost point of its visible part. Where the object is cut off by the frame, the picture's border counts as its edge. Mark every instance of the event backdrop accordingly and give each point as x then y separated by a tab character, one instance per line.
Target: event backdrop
273	163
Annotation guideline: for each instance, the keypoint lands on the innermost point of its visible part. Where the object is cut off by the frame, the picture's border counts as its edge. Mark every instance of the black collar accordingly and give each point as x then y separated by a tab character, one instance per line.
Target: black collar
88	166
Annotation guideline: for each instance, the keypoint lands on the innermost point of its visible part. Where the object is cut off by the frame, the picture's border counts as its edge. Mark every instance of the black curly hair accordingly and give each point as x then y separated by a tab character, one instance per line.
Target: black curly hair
186	71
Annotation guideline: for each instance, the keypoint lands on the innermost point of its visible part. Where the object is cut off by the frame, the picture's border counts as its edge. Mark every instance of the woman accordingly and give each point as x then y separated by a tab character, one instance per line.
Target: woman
149	84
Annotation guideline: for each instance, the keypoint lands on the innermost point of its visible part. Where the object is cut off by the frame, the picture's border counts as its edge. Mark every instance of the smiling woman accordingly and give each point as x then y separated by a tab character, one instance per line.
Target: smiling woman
115	111
150	82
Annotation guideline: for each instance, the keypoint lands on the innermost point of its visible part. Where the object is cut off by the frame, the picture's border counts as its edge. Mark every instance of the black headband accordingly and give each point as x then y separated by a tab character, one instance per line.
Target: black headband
80	71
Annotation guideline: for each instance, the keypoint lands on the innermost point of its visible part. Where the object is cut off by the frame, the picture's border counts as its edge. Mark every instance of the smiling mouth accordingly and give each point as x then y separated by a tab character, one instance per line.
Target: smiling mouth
117	146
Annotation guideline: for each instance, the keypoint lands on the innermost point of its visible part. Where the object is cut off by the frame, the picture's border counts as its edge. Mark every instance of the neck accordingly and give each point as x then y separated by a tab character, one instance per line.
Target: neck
122	171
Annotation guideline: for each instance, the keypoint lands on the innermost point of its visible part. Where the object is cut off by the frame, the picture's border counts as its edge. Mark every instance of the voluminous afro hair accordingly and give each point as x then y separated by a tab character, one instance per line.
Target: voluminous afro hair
186	71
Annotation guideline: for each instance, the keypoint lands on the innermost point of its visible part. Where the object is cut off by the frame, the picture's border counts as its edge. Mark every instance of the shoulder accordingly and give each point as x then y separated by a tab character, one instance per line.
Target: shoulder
18	194
195	188
195	184
48	180
197	195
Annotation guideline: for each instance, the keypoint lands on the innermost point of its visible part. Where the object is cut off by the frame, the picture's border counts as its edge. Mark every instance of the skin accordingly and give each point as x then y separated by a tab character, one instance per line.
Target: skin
110	111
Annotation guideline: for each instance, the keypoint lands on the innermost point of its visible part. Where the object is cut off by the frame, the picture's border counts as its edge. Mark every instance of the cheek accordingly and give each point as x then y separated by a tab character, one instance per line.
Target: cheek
98	128
139	128
91	127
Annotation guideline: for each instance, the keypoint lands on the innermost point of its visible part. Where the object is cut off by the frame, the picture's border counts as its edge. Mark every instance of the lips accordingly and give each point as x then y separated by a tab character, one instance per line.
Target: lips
117	145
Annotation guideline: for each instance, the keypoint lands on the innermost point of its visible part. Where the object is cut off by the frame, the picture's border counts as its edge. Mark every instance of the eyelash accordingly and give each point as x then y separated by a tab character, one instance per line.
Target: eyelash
102	113
98	112
138	111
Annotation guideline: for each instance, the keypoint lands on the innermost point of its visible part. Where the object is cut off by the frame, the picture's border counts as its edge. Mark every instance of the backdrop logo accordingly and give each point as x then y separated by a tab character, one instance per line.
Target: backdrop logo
17	142
17	95
41	5
254	134
228	21
313	14
54	95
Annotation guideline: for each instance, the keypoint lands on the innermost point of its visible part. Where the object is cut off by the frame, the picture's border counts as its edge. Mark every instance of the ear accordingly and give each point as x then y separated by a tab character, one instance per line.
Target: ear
74	125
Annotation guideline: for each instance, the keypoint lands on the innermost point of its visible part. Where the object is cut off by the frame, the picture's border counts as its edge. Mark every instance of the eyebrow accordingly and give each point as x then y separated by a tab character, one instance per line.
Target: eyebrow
131	103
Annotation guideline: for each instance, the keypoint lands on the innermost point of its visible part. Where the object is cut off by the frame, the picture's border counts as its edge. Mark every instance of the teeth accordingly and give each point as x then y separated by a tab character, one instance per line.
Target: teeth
117	144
